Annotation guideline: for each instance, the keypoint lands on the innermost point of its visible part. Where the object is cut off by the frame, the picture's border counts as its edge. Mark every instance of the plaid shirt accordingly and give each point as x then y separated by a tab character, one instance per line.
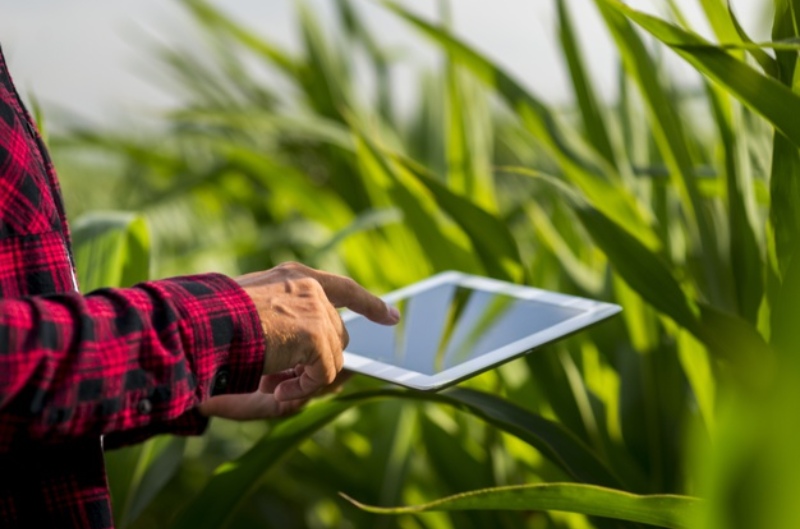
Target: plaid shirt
124	364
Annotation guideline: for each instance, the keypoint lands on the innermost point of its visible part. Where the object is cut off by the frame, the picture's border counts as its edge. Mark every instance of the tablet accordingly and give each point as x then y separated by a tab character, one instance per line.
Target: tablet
455	326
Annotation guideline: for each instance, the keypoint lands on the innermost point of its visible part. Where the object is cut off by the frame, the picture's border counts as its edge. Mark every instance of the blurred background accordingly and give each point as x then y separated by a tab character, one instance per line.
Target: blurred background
100	66
639	153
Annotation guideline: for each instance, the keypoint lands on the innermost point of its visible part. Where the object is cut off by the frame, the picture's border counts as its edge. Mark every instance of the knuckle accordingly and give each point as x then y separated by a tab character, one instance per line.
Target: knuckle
282	272
305	281
310	285
294	266
290	270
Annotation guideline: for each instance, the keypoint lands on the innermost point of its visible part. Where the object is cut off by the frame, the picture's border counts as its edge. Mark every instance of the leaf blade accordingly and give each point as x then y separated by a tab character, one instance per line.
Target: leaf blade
670	511
773	100
232	482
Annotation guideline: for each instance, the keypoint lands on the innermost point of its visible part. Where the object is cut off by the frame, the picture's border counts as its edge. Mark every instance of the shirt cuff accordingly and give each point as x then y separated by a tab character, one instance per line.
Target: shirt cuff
192	422
220	324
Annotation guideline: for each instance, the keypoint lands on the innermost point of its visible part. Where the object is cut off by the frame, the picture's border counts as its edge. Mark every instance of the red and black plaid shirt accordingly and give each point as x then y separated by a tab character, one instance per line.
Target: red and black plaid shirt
124	364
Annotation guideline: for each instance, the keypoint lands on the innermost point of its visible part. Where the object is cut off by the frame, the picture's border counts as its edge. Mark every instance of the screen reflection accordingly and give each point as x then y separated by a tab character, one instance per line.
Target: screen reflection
449	324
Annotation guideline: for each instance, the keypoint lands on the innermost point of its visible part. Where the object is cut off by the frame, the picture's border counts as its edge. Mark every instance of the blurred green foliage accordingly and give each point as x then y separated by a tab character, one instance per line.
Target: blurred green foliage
680	206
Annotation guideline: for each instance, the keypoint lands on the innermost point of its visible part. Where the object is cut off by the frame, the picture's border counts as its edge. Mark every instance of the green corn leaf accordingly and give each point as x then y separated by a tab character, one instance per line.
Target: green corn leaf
787	45
635	133
234	481
583	401
298	125
696	364
640	319
493	241
750	479
397	465
765	95
550	438
293	186
785	330
547	375
767	63
444	248
720	19
366	221
737	342
670	137
124	476
360	33
746	253
457	467
660	510
768	97
642	269
469	139
203	83
593	120
726	27
727	336
784	186
213	18
785	22
614	200
425	139
156	464
324	78
112	249
494	244
581	273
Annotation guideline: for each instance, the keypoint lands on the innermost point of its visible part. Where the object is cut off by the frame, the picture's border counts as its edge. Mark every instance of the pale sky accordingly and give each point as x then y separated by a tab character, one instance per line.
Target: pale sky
90	56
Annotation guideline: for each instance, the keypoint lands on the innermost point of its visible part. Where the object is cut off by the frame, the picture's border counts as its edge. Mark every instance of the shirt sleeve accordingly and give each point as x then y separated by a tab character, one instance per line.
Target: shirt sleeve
135	360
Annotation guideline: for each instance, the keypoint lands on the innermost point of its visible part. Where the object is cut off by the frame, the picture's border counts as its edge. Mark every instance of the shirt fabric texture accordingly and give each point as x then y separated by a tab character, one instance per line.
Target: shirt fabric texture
124	364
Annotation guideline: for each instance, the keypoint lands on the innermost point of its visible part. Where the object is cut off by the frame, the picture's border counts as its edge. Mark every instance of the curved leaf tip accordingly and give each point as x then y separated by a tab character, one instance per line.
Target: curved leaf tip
661	510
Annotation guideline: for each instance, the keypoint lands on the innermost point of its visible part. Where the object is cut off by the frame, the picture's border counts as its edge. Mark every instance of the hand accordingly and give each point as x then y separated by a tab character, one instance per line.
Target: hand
260	404
304	334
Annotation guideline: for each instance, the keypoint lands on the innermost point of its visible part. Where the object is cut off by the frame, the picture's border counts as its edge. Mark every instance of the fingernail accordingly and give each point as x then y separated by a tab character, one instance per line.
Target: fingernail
394	314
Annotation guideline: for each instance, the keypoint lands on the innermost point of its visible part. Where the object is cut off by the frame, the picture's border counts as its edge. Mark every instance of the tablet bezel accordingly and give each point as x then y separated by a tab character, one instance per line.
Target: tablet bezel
596	311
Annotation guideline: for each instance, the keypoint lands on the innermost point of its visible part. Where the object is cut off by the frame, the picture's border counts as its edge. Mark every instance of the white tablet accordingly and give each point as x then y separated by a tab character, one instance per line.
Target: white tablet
455	326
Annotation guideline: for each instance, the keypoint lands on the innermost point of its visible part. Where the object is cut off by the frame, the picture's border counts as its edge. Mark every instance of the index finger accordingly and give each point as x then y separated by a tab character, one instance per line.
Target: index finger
345	292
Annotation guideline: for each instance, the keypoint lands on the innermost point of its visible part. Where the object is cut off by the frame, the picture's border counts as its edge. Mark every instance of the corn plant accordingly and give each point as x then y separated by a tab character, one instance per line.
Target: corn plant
679	414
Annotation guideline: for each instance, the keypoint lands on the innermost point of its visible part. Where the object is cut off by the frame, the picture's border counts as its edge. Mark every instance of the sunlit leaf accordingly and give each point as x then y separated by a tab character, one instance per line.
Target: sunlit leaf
495	245
765	95
234	481
593	120
613	199
671	138
745	251
642	269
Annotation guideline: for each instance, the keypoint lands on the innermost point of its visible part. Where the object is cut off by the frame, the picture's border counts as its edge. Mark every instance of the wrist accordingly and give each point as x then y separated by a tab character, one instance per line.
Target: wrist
204	409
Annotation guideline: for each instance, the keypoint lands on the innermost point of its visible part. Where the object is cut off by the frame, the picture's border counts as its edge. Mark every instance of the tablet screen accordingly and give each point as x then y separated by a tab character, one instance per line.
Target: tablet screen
450	324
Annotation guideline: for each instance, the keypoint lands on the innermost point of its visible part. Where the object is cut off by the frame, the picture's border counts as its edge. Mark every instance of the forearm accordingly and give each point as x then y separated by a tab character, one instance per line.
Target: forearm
125	359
